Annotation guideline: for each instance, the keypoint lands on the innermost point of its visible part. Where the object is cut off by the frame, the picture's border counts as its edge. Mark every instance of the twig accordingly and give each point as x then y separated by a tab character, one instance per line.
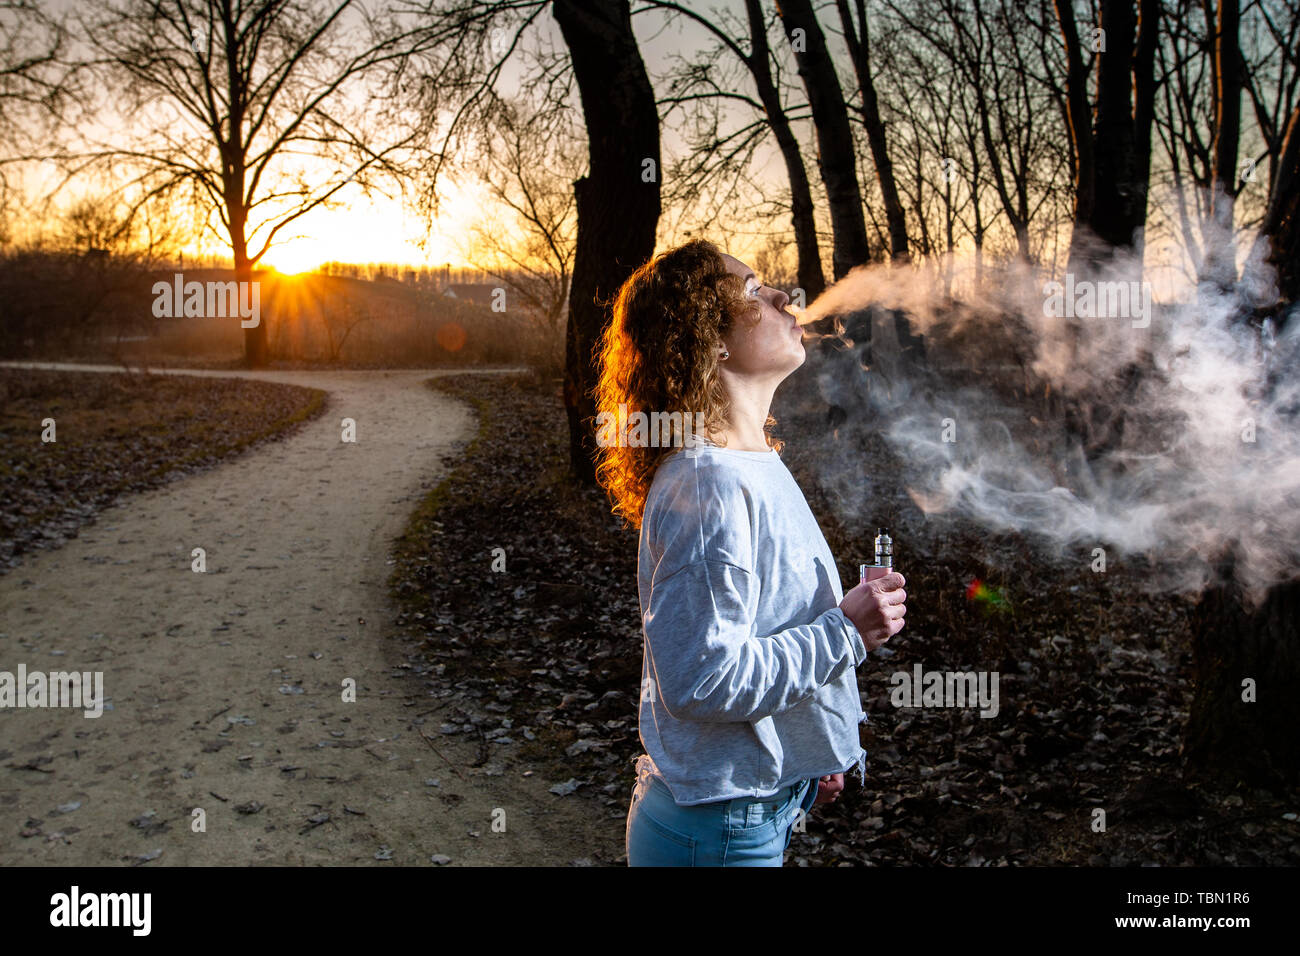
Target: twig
450	700
440	754
482	748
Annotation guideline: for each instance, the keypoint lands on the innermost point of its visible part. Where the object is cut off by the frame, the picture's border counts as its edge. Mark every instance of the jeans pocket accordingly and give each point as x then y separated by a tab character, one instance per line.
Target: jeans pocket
765	811
652	842
684	840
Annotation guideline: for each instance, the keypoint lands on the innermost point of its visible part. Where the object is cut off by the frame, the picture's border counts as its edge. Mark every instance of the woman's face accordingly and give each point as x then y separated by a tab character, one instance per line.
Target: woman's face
775	343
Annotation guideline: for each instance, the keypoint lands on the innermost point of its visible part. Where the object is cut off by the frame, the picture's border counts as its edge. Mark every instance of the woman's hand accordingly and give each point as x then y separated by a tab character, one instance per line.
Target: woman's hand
829	787
876	608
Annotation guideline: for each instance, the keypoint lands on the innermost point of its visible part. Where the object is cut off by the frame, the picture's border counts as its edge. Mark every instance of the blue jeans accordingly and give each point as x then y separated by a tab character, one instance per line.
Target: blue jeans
745	831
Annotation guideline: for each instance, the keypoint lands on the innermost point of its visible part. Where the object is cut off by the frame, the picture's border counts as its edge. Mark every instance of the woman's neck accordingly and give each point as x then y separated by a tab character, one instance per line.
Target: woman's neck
750	400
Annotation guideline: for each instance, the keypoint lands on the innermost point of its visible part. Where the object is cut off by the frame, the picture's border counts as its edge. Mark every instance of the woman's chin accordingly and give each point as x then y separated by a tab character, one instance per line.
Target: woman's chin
796	361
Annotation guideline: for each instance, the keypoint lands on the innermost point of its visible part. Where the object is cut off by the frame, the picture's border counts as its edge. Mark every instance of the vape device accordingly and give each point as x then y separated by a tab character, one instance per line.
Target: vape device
884	559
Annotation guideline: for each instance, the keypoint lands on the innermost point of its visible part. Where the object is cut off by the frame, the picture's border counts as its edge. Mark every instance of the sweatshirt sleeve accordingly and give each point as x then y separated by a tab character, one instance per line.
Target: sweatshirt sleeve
708	666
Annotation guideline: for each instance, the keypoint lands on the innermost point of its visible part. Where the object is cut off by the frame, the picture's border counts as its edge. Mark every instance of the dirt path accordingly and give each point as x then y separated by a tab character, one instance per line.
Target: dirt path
226	686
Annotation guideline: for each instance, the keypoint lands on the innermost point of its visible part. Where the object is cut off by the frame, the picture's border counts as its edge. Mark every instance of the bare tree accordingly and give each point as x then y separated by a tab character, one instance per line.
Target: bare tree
340	321
37	86
252	87
1270	51
836	157
1201	128
1271	72
1113	149
618	200
1185	122
699	80
860	55
1221	254
1281	226
1231	638
941	168
977	61
529	162
35	79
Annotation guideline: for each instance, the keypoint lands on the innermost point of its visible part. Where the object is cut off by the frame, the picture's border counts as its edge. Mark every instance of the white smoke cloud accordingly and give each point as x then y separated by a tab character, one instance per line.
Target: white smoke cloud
1208	454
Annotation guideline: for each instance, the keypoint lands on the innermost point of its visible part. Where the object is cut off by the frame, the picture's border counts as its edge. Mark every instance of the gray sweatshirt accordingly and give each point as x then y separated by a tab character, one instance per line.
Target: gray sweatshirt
748	681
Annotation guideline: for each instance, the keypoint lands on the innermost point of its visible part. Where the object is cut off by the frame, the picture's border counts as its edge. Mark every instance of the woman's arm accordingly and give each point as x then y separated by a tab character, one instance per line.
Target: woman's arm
707	667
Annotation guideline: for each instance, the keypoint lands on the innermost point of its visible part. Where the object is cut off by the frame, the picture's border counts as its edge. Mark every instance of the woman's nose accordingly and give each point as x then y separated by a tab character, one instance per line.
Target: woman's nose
780	299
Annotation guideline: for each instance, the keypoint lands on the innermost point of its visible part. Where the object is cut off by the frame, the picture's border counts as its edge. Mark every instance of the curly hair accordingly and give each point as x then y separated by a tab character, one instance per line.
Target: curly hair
659	354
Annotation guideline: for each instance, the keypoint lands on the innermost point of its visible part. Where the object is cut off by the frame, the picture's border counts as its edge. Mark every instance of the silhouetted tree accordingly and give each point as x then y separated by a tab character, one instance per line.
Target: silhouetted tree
836	156
618	200
860	55
1113	148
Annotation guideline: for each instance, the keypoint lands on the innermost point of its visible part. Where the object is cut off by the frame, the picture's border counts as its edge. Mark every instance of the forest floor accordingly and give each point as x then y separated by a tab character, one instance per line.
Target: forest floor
545	663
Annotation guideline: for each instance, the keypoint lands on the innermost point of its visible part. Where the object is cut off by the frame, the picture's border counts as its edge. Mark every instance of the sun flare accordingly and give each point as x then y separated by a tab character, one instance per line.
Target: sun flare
295	258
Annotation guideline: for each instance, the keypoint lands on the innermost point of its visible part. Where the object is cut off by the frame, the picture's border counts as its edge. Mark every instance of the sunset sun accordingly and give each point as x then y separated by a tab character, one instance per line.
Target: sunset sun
295	258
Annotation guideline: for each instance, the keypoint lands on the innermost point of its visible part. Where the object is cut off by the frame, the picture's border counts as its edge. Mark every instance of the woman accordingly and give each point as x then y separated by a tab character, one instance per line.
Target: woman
749	707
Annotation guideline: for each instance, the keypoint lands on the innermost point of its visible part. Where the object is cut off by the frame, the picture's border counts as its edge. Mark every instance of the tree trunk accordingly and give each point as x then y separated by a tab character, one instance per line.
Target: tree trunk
1114	155
617	201
1220	266
1281	226
1226	736
860	54
1120	207
255	338
810	276
1144	108
1079	116
836	157
1229	738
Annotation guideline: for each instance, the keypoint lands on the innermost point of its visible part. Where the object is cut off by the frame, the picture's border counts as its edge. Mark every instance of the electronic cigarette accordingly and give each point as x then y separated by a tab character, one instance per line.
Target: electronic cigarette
884	559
